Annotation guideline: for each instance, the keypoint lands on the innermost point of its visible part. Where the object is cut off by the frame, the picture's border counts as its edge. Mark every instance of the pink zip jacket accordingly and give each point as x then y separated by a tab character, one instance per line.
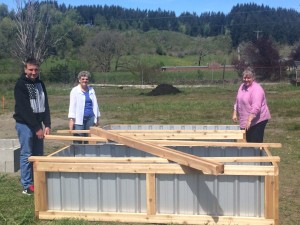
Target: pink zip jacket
249	100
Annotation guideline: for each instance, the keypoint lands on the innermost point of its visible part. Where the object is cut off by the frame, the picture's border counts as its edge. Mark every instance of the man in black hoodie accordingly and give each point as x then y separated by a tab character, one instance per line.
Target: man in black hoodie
32	117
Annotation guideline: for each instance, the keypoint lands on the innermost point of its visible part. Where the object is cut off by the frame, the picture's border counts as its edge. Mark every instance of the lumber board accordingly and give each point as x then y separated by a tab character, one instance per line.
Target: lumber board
170	154
158	218
157	168
272	197
184	136
74	138
168	168
151	193
147	159
211	143
249	170
40	195
98	159
178	131
56	152
73	131
155	131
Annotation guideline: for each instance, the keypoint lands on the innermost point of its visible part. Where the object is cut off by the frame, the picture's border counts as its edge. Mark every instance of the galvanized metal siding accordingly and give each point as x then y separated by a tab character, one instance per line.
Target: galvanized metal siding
176	194
181	194
96	192
210	195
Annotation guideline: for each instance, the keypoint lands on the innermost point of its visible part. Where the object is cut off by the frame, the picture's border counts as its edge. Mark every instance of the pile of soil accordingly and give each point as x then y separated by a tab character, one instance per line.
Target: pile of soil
164	89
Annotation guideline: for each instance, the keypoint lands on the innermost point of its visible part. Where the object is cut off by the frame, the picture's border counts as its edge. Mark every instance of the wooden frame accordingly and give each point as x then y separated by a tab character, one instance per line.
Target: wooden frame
151	167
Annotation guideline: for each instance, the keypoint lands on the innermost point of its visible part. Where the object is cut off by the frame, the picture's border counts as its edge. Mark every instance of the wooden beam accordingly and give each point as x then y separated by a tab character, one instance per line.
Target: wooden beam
98	159
40	193
158	168
73	131
54	153
151	193
178	131
183	136
210	143
158	218
249	170
170	154
146	159
74	138
272	198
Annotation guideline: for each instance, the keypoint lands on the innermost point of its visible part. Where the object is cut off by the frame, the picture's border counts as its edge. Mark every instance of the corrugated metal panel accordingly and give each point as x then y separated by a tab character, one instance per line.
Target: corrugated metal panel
176	194
170	127
181	194
210	195
96	192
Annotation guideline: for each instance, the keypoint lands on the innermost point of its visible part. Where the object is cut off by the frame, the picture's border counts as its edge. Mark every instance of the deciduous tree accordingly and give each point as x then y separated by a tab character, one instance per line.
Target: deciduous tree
32	21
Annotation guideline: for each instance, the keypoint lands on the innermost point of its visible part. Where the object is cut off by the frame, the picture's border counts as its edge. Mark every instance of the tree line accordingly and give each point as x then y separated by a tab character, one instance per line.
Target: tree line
282	25
100	34
242	22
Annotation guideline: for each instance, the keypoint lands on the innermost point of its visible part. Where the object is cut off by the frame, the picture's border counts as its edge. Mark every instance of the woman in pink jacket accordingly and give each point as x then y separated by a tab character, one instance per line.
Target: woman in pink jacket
250	108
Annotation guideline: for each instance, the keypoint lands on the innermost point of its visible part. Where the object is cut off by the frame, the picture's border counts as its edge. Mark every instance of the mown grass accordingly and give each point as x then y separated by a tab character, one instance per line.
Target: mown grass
204	105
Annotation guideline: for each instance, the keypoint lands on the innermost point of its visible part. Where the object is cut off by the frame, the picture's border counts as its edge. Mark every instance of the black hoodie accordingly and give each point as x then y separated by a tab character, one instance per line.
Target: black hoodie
31	103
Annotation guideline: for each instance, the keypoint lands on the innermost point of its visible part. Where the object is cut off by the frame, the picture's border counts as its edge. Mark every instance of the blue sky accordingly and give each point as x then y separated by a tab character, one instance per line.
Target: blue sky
178	6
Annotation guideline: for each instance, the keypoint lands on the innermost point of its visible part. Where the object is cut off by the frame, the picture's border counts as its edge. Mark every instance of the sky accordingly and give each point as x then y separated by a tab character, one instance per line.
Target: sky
178	6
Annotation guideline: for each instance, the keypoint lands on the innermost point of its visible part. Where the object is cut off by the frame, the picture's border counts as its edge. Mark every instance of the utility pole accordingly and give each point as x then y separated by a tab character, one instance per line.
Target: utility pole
257	33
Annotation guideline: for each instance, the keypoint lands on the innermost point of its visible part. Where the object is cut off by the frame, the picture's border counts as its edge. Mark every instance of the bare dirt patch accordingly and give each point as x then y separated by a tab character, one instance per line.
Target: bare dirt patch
7	125
8	131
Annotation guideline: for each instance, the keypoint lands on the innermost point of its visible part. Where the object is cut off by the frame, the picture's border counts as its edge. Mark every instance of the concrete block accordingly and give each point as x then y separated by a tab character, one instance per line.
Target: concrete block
9	155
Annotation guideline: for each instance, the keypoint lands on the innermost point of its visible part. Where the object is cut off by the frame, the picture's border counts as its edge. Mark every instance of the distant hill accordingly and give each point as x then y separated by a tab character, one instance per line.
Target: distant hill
243	23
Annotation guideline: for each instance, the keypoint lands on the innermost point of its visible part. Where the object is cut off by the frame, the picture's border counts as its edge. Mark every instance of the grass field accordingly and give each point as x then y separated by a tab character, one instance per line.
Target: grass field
205	105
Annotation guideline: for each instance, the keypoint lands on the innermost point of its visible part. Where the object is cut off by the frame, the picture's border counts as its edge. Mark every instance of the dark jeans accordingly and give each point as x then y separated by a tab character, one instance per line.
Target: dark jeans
87	123
256	132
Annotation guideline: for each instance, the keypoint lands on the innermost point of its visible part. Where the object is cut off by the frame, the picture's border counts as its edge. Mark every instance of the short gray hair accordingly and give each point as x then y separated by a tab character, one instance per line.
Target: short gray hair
84	73
249	71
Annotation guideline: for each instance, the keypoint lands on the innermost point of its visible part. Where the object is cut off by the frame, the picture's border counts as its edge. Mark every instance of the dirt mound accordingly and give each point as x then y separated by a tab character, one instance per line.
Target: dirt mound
164	89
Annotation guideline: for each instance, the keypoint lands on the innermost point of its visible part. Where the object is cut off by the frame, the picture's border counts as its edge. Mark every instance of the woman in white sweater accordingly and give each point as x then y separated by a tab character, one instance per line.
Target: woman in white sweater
83	109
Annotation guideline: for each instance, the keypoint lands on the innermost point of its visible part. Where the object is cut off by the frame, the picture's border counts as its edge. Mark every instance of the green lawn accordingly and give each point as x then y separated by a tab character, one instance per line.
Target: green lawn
204	105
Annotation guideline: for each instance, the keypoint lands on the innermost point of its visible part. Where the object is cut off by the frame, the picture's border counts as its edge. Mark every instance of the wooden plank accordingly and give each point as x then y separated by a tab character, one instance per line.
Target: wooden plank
146	159
158	218
216	144
74	138
158	168
155	131
269	200
184	136
276	200
56	152
98	159
249	170
40	193
73	131
168	168
170	154
93	136
272	198
178	131
245	159
151	193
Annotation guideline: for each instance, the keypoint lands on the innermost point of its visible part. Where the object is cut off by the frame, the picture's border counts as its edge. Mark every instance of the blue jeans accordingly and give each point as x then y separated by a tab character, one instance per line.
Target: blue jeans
30	146
87	123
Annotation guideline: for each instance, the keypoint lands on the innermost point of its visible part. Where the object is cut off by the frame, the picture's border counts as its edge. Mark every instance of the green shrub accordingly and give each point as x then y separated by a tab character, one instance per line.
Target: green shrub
60	73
